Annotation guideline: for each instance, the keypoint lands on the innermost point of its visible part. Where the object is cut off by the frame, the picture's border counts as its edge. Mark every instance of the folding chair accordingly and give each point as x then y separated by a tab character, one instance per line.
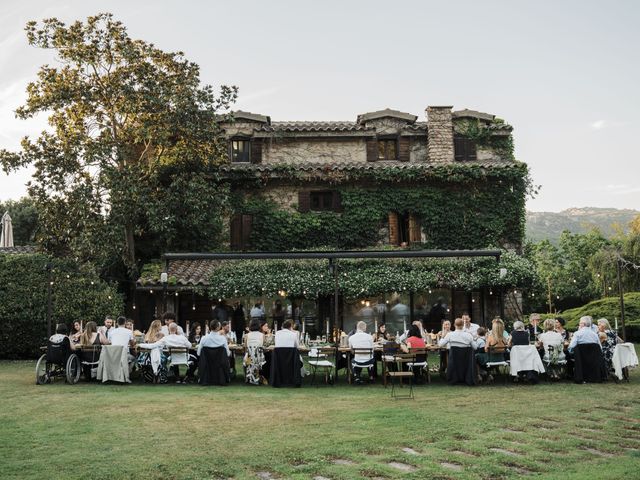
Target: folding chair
389	351
495	364
178	356
554	363
402	359
421	363
319	359
358	361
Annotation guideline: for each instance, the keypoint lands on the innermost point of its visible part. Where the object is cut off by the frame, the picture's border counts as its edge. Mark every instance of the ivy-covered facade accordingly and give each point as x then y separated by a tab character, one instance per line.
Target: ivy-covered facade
385	180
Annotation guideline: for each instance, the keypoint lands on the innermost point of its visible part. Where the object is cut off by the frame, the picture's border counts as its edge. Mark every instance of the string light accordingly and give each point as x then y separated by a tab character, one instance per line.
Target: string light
134	307
151	292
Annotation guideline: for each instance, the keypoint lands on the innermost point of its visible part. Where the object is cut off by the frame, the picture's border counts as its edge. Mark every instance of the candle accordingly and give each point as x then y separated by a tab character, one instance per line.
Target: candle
303	327
187	328
275	325
404	326
616	319
375	325
327	330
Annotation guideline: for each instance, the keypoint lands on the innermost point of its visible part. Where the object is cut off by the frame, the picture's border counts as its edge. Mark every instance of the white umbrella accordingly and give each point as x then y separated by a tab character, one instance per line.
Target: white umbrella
6	239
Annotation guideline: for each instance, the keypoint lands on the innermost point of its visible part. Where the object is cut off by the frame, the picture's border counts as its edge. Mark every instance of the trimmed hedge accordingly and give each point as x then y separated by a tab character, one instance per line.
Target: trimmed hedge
77	294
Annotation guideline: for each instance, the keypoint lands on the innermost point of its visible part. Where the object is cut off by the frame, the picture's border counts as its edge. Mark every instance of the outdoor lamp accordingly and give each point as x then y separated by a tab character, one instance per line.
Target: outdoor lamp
503	272
164	278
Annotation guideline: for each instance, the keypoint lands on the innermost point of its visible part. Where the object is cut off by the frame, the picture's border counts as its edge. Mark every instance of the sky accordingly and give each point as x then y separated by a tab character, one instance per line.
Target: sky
565	74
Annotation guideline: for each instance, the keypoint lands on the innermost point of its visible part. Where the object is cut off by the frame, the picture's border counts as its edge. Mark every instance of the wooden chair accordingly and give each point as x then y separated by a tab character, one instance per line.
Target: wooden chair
320	359
494	365
361	352
421	363
402	359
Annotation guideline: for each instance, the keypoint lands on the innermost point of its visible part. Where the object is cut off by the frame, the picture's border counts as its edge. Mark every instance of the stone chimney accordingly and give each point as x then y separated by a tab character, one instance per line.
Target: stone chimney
440	135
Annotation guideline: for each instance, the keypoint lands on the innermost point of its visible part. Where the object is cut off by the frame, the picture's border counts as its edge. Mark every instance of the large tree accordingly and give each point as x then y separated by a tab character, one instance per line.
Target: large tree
133	136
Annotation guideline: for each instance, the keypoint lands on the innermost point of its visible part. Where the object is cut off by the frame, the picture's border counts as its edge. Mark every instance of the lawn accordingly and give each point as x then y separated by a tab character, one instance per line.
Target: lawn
562	431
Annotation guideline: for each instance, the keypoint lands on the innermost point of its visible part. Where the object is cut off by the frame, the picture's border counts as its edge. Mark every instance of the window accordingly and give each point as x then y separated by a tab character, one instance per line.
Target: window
321	201
465	148
240	150
388	149
404	228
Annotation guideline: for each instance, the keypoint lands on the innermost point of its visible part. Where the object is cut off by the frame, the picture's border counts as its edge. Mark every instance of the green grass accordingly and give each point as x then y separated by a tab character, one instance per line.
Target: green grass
186	431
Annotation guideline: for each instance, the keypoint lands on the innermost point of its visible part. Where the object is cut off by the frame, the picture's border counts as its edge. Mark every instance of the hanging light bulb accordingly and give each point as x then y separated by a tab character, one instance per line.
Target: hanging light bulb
134	307
151	292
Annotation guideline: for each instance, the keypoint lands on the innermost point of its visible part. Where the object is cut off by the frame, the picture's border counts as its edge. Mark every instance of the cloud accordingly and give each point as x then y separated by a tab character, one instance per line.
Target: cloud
602	124
598	124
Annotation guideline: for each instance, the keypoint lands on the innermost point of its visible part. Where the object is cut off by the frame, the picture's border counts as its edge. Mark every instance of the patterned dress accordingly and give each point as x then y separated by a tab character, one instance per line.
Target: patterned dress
608	347
253	362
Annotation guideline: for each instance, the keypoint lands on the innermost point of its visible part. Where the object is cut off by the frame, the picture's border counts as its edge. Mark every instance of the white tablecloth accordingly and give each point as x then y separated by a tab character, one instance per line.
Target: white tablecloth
525	357
624	355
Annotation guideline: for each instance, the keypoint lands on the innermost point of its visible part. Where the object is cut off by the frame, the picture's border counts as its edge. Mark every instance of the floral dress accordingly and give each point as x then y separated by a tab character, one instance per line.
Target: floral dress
608	347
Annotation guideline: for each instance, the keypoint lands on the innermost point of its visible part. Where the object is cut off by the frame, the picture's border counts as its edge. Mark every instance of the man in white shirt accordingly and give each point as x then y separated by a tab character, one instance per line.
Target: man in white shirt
169	318
286	337
174	340
361	340
584	334
458	338
121	335
470	327
257	311
213	339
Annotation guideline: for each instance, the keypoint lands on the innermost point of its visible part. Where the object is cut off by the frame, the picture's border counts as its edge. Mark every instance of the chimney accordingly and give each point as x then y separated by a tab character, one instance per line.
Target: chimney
440	135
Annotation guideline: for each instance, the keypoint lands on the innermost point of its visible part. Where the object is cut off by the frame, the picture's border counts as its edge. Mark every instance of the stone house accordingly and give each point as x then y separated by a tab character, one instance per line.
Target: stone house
386	179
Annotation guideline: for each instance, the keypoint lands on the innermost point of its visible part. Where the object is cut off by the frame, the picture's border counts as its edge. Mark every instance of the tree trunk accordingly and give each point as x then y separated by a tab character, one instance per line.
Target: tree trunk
130	253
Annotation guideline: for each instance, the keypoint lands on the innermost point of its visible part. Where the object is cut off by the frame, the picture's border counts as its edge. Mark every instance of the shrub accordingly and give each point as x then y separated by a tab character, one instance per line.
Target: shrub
77	294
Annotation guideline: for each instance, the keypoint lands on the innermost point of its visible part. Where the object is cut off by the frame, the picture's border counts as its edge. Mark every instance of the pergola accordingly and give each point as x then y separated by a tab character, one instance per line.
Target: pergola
333	258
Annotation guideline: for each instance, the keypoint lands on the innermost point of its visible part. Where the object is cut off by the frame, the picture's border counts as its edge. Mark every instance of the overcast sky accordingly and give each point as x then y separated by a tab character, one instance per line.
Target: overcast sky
565	74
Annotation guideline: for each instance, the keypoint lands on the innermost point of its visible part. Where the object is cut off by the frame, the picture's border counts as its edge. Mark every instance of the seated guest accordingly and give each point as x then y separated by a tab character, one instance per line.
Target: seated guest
495	344
266	331
481	341
225	328
60	335
169	318
91	336
461	362
608	340
560	323
76	332
173	340
446	328
469	326
213	339
584	334
121	335
195	334
154	333
414	339
519	336
534	325
255	338
108	325
458	338
129	324
361	340
550	338
286	337
382	334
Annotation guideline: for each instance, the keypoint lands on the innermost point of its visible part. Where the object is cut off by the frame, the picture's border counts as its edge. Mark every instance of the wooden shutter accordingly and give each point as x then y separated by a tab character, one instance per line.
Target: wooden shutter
372	150
458	148
415	234
247	223
304	201
256	150
404	149
393	229
337	202
236	232
470	149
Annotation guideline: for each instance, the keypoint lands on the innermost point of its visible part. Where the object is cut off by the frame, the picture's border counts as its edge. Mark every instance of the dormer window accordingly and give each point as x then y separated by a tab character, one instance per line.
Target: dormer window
388	149
240	150
465	149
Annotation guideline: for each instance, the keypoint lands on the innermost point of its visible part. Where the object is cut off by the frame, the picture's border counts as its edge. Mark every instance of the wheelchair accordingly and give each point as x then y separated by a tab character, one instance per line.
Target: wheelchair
59	361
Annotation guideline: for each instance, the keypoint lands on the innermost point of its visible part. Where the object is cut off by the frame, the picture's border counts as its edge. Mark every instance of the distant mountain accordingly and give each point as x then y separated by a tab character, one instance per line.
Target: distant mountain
549	225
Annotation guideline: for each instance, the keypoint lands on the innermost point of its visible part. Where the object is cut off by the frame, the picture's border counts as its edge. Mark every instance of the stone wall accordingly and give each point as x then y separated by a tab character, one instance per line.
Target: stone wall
440	135
323	150
418	151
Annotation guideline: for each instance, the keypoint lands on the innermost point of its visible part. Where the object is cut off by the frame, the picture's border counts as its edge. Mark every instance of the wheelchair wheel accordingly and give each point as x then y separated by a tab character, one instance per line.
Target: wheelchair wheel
42	371
73	369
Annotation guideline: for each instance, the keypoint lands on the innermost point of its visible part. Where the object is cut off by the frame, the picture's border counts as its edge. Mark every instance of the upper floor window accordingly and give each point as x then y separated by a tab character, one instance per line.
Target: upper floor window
388	149
240	150
464	148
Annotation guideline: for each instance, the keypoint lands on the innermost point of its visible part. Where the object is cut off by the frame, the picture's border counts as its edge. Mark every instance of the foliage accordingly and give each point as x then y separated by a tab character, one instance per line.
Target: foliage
24	219
454	214
77	294
366	277
483	135
121	110
608	308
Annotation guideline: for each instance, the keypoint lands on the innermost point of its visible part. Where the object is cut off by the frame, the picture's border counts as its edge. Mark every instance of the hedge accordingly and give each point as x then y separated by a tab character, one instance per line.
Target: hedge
77	294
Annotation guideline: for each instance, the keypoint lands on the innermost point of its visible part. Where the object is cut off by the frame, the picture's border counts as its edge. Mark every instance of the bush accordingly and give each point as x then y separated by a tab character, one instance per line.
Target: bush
77	294
609	308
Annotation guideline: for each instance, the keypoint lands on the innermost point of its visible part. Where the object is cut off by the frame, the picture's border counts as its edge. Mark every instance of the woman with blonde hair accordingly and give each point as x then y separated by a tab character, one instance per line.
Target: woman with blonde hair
608	338
496	345
91	336
154	334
